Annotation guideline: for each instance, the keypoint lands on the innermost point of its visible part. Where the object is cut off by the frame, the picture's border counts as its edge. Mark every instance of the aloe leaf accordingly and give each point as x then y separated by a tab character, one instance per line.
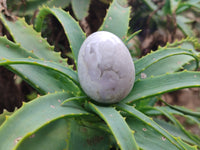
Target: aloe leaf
58	3
183	110
22	8
184	27
174	130
162	84
77	98
190	66
88	136
178	124
65	134
55	136
31	40
131	36
46	64
152	111
156	56
80	8
124	138
72	30
42	110
186	146
135	113
169	65
150	4
4	115
28	7
172	63
42	79
111	23
147	137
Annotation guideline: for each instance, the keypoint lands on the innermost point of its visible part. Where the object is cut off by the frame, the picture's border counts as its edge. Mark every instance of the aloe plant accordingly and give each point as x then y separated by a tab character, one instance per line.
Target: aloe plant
28	7
64	117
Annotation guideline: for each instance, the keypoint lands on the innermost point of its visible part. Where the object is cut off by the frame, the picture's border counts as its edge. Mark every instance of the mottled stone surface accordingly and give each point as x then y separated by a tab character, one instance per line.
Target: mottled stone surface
105	68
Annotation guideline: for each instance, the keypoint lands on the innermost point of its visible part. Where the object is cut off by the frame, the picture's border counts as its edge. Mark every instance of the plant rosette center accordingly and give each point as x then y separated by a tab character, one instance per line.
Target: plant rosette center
105	68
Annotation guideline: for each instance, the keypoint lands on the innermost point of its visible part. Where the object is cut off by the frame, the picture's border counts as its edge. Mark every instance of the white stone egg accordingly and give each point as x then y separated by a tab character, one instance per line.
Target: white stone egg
105	68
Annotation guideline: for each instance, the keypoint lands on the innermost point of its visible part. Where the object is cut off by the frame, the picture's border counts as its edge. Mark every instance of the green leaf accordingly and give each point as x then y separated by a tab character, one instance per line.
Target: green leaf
150	4
172	63
111	23
179	125
31	40
183	110
70	26
28	7
77	98
116	123
4	115
58	3
135	113
88	136
147	137
161	84
69	73
176	132
142	64
42	79
186	146
80	8
152	111
34	115
22	8
65	134
182	23
55	137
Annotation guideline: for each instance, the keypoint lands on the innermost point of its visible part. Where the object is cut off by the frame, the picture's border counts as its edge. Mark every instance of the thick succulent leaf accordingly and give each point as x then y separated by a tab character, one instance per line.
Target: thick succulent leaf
34	115
174	5
182	23
183	6
28	7
31	40
69	73
4	115
149	60
55	137
191	66
88	137
152	111
77	98
150	4
147	137
135	113
174	131
116	20
58	3
70	26
124	138
22	8
42	79
9	49
175	62
80	8
162	84
193	138
169	65
65	134
183	110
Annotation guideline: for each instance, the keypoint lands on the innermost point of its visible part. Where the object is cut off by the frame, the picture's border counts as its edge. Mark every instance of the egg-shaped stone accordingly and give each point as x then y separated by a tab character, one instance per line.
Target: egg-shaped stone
105	68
